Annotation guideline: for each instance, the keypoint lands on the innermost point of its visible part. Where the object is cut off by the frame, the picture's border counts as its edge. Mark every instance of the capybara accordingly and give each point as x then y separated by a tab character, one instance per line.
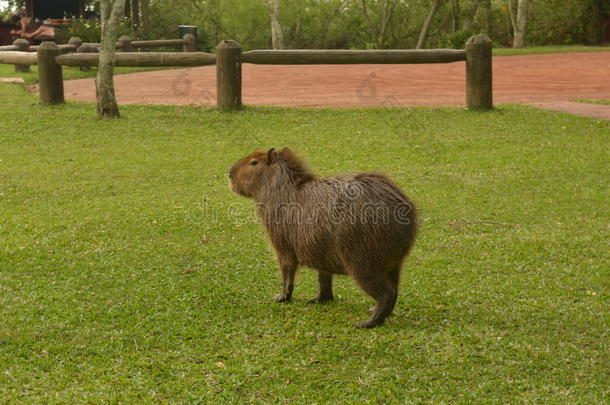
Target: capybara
359	224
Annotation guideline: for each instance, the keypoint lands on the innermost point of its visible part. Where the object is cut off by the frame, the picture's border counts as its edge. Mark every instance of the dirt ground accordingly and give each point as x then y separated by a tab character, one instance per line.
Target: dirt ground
548	81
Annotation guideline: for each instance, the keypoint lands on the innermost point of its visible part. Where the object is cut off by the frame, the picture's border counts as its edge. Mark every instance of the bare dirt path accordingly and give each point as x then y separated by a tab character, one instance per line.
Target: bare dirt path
541	80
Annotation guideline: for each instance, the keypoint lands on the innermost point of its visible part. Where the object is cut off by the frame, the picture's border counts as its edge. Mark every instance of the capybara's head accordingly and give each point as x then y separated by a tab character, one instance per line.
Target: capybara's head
248	176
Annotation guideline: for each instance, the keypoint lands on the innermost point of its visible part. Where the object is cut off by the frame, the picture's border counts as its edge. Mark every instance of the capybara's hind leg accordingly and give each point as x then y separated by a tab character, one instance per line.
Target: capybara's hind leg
393	276
326	288
377	286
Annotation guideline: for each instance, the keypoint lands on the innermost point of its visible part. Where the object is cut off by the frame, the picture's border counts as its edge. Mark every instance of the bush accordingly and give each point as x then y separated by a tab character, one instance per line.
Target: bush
458	39
89	30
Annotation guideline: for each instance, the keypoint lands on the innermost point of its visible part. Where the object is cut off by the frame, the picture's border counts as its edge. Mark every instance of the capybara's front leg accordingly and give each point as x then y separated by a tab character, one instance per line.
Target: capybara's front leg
326	288
288	268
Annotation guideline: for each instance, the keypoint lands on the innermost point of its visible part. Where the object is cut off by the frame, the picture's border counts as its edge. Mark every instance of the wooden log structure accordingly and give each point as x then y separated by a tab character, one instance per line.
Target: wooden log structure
63	48
479	91
50	74
158	43
190	43
22	45
229	58
350	57
124	44
138	59
18	58
86	48
228	75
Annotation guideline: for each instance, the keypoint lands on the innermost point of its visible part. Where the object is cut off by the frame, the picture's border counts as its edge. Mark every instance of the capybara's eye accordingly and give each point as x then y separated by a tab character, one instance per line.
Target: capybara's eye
254	163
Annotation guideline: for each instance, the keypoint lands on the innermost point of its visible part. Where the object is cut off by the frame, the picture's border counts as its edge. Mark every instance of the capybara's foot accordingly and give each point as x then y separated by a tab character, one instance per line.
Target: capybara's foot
371	310
282	298
320	299
370	323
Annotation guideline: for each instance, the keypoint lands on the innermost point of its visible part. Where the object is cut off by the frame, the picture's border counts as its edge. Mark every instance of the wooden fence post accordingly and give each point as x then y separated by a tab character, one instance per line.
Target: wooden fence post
23	45
124	43
479	93
50	75
76	41
190	43
228	75
85	48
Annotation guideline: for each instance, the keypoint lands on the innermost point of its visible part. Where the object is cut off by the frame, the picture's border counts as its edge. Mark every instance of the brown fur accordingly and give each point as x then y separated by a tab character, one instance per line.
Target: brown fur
358	224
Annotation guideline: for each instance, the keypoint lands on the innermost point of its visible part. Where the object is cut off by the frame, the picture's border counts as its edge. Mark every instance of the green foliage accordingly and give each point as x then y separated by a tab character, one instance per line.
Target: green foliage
331	24
458	39
88	30
129	273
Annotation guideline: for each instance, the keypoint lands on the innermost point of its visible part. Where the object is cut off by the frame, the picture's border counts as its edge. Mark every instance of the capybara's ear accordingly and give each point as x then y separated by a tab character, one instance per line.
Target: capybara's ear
271	156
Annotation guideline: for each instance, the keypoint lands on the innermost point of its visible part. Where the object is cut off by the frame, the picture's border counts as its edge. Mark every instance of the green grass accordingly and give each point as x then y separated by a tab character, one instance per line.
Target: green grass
130	273
602	102
549	49
68	72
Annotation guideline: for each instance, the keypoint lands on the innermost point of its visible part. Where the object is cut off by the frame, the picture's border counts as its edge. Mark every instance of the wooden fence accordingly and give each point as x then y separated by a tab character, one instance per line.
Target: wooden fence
229	58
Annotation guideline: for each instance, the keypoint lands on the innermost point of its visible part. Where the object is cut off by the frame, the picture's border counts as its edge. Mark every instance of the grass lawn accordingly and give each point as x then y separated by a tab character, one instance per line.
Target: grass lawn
549	49
602	102
130	273
68	72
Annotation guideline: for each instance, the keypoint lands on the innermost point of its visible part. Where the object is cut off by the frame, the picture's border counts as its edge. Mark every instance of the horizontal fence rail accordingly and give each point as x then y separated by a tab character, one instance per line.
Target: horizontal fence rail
8	48
125	44
153	43
137	59
330	57
18	58
63	48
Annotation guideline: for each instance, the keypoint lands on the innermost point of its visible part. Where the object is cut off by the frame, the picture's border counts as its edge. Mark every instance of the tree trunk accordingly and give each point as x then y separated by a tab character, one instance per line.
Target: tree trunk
599	16
111	12
521	23
423	35
511	15
489	17
277	37
135	15
455	15
145	14
469	14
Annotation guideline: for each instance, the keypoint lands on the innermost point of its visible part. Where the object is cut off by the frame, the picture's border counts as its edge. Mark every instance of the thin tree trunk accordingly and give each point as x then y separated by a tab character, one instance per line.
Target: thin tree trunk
521	24
369	22
511	15
111	12
423	35
388	9
331	17
599	17
277	36
455	15
469	15
145	14
489	18
135	15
